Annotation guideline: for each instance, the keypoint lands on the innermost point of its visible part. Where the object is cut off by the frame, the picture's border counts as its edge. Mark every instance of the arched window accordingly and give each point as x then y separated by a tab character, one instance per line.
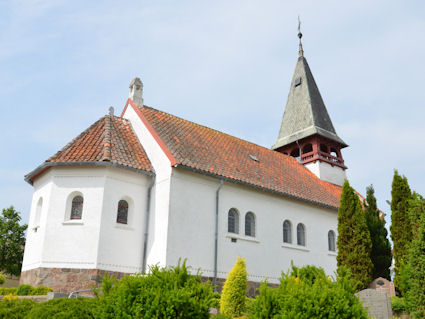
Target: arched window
331	240
250	224
233	221
77	207
122	213
287	232
308	148
300	235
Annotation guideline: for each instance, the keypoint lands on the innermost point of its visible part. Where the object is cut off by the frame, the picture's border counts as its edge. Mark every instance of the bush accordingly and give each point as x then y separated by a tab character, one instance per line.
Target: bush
308	293
23	290
42	290
7	291
2	278
75	308
233	297
398	304
15	309
163	293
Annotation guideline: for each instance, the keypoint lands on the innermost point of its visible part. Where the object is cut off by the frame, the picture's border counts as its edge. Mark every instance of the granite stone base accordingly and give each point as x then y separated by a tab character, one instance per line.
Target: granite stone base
66	280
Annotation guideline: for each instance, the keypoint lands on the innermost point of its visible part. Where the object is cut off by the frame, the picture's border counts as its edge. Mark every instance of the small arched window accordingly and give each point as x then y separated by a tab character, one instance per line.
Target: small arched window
331	240
37	216
300	235
250	224
77	207
122	213
287	232
233	221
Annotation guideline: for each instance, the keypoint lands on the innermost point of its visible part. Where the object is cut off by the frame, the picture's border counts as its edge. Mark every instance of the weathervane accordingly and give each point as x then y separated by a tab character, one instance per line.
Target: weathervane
300	35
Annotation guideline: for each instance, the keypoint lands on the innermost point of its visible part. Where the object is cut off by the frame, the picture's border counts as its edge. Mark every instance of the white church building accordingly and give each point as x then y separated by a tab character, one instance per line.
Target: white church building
148	188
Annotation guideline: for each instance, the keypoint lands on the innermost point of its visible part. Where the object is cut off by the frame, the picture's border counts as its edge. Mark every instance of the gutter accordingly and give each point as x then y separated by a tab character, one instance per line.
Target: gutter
148	210
217	197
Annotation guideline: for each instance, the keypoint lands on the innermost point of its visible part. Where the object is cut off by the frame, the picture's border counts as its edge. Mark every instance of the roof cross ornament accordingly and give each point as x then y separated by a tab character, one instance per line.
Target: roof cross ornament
300	35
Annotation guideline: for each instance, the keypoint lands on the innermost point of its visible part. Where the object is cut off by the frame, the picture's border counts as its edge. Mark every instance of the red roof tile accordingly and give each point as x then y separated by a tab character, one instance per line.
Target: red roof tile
109	140
212	152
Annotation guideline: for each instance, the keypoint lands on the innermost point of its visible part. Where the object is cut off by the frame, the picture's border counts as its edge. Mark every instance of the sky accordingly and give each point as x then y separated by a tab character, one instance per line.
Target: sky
226	64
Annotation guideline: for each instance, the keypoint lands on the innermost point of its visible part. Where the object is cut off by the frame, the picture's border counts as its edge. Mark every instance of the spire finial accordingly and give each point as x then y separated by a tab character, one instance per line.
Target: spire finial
300	35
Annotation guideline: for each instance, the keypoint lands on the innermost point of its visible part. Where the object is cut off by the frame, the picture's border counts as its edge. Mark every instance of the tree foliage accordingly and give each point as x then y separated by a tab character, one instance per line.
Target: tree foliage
381	249
308	293
12	241
233	297
354	243
162	293
416	267
401	226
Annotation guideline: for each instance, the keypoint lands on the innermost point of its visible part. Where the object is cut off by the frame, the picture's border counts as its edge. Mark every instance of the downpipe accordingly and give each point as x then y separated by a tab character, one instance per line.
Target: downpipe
146	235
217	197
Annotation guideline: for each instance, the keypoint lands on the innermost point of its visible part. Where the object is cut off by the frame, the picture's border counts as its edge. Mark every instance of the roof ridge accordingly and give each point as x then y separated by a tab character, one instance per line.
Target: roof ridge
107	140
212	129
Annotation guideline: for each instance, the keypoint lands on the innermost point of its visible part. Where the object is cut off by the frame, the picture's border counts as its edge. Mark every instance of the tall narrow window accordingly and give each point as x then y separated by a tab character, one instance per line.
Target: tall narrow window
300	235
122	213
331	240
77	207
233	221
37	216
250	224
287	232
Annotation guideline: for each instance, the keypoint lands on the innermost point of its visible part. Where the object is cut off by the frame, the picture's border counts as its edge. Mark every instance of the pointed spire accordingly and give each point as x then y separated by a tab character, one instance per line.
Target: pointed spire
305	112
300	35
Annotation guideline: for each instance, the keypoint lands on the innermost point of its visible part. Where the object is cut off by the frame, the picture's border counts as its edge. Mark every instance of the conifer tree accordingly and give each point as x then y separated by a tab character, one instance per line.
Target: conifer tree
233	296
354	244
381	249
416	292
401	226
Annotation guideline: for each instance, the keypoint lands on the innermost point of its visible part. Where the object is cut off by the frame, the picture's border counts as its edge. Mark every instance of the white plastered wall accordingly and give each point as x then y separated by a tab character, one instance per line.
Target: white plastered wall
121	245
63	243
158	223
192	217
327	172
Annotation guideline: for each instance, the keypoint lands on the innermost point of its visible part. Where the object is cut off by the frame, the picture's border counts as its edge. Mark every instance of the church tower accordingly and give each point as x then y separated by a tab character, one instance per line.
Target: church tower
307	132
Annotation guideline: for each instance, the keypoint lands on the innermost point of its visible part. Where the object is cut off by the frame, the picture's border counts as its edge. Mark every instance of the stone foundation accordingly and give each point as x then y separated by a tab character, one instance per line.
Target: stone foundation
65	280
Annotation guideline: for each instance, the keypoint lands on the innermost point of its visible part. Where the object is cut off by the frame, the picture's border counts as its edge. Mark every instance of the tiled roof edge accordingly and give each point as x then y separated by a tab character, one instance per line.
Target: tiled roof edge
268	190
153	132
40	169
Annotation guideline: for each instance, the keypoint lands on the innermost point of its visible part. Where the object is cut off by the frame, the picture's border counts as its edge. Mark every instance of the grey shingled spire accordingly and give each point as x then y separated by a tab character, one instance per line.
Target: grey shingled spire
305	113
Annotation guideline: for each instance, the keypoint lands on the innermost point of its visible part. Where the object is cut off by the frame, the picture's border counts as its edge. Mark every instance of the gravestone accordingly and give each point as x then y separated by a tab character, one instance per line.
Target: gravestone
378	304
383	285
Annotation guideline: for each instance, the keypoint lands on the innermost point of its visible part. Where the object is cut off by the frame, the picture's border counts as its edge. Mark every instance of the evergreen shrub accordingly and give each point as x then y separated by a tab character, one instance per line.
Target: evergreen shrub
162	293
398	304
233	296
308	293
75	308
7	291
23	290
15	309
2	278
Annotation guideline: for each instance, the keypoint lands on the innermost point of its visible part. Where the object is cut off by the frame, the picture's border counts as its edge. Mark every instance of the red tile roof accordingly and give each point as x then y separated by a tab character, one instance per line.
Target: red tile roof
109	141
215	153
